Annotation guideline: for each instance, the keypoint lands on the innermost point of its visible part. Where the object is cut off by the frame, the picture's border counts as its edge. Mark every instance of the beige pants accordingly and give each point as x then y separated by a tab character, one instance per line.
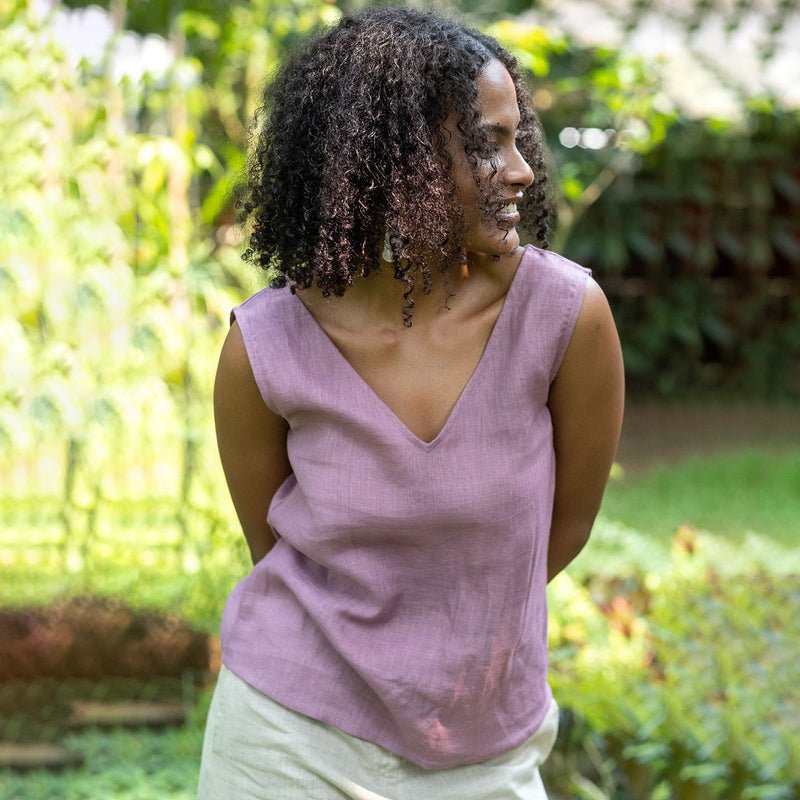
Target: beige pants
257	749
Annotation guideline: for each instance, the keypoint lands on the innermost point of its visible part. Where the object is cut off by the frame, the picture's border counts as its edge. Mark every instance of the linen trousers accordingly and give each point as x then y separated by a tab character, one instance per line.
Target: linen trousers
257	749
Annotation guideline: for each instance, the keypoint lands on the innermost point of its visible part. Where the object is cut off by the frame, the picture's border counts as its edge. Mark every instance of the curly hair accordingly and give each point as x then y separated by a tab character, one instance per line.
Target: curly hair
349	144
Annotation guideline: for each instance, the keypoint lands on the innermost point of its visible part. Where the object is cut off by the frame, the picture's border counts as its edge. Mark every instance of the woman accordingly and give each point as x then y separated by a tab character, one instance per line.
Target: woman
416	421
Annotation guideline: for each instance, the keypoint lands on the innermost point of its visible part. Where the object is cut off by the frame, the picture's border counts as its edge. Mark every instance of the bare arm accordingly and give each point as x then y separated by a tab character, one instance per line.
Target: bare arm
586	403
251	441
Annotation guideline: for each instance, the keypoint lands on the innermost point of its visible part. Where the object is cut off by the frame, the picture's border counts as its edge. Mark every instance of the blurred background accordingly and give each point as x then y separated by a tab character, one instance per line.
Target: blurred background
674	127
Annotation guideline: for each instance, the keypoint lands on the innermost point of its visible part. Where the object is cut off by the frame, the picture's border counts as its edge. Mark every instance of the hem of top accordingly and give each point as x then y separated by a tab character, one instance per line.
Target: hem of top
391	745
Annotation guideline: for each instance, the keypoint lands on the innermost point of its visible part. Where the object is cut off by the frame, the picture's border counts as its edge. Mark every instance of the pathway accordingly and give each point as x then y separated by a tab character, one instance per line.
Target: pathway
666	433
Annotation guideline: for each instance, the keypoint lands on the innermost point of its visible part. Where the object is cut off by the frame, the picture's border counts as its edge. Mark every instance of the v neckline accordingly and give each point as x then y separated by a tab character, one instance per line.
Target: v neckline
356	376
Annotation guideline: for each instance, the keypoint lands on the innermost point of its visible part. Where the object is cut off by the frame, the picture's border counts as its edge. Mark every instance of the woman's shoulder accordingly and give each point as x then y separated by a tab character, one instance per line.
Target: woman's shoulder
548	264
551	290
550	281
264	304
267	297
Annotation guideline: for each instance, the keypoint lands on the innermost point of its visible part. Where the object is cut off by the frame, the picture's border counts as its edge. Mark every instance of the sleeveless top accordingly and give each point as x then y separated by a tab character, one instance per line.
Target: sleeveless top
404	601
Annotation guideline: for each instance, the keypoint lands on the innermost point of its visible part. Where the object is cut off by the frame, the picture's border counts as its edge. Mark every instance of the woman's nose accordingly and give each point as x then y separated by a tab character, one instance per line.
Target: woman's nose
518	171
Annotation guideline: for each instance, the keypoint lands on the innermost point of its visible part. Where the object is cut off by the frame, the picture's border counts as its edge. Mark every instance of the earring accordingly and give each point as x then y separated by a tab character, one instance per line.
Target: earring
387	249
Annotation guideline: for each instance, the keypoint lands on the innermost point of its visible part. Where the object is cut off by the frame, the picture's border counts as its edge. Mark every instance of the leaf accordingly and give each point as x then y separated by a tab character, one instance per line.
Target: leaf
216	200
614	254
644	246
705	255
770	791
731	245
717	331
195	23
787	243
680	244
759	254
586	789
646	752
704	773
787	185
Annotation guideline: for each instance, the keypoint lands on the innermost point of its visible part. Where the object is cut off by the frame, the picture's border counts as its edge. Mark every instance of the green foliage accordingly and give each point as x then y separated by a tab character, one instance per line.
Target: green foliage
113	305
232	47
116	293
699	254
154	576
239	45
688	678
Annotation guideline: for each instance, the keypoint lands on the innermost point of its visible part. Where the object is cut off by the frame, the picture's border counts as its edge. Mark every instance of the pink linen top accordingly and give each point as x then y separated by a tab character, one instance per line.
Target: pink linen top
404	601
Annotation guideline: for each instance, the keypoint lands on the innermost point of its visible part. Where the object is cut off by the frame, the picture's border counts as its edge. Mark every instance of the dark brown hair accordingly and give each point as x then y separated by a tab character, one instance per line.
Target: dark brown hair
349	143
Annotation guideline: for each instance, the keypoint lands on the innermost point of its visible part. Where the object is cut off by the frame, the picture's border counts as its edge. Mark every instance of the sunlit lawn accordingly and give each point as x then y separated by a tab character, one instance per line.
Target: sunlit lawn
745	506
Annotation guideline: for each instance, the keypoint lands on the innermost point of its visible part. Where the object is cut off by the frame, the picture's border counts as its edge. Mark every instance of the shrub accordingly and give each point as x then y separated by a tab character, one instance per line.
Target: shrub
690	679
96	638
699	252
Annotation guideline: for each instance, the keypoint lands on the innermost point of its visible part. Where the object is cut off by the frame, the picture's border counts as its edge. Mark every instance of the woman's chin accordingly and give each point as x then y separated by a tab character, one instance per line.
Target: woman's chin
508	246
496	247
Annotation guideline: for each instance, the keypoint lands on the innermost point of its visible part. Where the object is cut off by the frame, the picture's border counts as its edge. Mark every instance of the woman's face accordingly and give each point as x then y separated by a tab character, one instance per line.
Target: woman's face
495	233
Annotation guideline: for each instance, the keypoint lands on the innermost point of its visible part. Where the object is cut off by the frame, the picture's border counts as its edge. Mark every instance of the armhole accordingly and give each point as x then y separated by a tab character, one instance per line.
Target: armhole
257	356
576	279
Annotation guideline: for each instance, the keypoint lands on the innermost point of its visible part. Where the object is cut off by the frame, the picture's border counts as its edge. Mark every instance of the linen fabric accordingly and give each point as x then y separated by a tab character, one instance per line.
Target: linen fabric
404	601
272	752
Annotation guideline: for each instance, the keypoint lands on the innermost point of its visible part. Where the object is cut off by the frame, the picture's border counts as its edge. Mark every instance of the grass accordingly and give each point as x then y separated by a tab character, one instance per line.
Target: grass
121	765
746	506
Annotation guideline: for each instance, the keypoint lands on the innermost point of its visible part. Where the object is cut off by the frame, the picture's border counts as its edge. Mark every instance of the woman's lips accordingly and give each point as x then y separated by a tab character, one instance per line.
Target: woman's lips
509	215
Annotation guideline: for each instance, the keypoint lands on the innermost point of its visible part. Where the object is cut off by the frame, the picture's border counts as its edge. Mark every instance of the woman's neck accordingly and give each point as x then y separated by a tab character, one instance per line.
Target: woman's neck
377	299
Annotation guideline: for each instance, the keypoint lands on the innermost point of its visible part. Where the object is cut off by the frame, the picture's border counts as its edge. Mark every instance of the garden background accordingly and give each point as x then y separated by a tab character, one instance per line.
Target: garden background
675	635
